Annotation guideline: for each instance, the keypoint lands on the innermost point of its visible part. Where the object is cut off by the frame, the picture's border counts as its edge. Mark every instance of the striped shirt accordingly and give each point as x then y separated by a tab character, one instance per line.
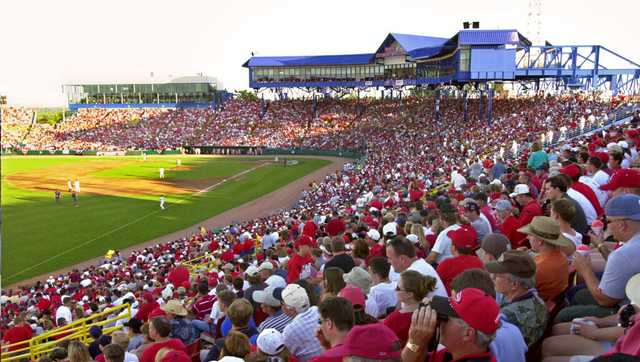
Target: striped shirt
300	335
277	321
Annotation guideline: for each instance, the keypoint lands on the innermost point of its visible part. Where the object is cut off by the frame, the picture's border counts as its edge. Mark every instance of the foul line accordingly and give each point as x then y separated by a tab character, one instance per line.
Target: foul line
207	189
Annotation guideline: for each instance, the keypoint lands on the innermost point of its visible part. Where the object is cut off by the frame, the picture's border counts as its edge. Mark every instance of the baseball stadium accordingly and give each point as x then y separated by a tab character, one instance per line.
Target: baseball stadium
468	197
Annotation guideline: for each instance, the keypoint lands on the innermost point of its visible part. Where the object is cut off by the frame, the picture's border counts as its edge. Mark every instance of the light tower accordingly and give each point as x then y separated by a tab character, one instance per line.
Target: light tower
534	22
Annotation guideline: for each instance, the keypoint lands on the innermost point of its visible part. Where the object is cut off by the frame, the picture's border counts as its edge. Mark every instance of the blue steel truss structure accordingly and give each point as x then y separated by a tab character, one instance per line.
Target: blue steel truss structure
471	56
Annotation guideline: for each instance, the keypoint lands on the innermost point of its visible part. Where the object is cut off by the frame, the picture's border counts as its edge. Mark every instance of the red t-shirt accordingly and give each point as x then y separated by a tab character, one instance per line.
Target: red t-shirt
510	229
17	334
452	267
335	227
178	275
295	266
202	307
399	323
149	354
378	250
629	343
527	214
309	229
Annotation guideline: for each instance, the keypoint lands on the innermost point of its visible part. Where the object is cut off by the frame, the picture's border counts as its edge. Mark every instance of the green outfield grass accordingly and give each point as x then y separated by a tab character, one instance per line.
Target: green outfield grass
39	236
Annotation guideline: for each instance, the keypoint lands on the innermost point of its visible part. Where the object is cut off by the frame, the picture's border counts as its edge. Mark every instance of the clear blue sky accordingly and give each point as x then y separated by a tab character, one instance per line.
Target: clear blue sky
49	43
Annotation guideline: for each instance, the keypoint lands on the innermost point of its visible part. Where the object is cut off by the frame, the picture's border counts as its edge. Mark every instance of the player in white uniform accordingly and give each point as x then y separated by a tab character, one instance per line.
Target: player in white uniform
162	202
77	185
161	172
69	186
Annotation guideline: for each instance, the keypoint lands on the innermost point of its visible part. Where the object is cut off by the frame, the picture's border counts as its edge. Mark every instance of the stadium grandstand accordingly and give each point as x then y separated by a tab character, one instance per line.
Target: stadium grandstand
183	92
497	215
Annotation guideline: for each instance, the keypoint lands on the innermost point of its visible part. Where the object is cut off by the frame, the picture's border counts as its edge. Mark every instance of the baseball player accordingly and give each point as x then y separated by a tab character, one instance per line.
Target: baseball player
77	185
161	172
144	156
69	186
179	162
162	202
74	197
57	196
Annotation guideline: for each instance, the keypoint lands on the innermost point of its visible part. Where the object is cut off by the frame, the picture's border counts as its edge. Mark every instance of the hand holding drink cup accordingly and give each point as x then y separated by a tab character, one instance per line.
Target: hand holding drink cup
596	227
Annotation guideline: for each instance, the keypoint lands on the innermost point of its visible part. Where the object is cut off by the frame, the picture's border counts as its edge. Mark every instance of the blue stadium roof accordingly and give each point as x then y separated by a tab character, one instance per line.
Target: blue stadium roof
309	60
415	46
410	42
490	37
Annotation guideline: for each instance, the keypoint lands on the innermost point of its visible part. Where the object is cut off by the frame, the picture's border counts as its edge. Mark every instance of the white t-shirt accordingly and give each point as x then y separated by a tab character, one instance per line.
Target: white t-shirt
130	357
587	207
442	245
425	269
384	294
575	239
63	312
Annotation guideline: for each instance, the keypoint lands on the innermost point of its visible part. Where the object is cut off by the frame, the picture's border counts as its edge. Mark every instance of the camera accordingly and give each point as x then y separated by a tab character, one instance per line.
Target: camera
625	316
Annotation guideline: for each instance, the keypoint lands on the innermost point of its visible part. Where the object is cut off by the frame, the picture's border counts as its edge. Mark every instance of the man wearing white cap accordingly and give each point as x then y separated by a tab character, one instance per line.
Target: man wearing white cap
270	300
266	270
300	334
530	207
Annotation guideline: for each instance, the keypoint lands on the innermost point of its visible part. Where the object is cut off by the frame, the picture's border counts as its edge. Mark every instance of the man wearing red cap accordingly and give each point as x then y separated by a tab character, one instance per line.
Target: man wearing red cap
625	181
299	266
468	322
463	245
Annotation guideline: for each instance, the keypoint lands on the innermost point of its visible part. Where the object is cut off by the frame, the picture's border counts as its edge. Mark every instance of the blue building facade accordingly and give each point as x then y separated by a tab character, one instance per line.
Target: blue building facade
472	55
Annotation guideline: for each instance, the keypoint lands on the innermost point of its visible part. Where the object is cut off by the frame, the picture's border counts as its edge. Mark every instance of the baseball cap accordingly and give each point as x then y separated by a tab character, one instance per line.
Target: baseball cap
503	205
296	297
252	271
373	234
472	206
373	341
626	206
495	244
633	289
271	296
359	278
547	229
270	342
96	331
464	237
267	265
353	294
520	189
626	177
413	238
389	229
478	309
515	262
571	170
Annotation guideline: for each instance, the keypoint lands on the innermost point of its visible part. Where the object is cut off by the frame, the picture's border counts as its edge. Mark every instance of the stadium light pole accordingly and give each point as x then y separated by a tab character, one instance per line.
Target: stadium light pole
1	248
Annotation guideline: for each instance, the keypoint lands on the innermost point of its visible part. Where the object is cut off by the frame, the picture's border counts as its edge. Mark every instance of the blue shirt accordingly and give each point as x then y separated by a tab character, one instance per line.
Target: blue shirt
509	345
621	265
498	170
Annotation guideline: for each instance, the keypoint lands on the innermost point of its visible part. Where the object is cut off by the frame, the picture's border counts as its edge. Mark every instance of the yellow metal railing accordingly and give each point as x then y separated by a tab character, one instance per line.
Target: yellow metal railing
76	330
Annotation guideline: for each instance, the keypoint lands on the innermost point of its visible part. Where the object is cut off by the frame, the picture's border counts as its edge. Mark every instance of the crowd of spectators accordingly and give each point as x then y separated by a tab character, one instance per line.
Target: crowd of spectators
443	242
15	122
